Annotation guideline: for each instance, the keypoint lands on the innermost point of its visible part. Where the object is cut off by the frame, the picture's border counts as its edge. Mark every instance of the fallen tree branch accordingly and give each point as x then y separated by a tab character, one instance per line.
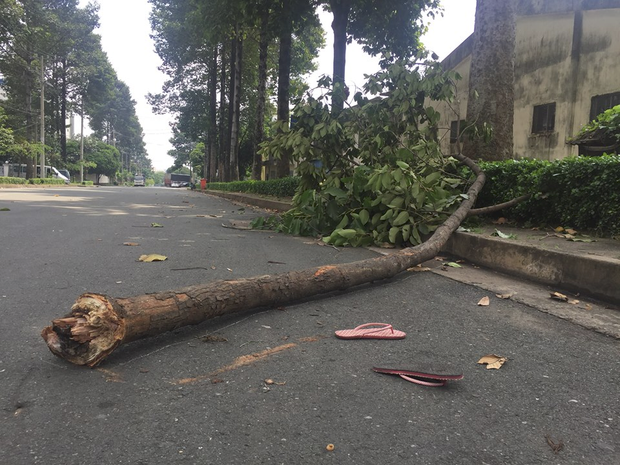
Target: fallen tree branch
98	324
498	207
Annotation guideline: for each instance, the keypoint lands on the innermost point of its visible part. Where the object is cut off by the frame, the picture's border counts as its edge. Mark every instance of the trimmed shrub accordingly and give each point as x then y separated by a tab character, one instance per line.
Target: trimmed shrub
11	180
46	181
283	187
580	192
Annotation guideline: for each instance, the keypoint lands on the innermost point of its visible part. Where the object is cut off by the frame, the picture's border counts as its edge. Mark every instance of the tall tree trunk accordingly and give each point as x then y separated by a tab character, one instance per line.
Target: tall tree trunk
340	10
98	324
30	129
259	132
236	107
491	80
223	150
63	111
231	105
283	164
212	131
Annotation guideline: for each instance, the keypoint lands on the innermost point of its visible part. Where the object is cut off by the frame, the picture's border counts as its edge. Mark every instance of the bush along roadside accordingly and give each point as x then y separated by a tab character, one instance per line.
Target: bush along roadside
11	180
580	192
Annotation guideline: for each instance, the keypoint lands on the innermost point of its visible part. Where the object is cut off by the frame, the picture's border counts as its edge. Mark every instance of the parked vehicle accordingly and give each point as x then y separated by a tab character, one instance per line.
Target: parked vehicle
58	175
138	180
19	171
177	180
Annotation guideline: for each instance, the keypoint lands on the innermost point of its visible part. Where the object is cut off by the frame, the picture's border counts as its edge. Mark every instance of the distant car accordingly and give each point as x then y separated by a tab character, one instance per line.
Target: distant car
59	175
66	174
138	180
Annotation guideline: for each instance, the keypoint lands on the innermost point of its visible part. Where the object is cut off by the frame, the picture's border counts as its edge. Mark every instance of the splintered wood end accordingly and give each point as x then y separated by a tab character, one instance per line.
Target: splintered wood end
89	333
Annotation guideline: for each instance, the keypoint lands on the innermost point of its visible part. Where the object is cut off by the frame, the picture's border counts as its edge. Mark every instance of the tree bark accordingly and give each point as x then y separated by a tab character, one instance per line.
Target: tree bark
283	164
224	124
98	324
236	106
491	81
259	132
340	9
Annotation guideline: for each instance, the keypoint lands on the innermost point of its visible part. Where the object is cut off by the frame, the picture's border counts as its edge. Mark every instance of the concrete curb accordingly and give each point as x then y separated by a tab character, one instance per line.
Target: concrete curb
590	275
260	202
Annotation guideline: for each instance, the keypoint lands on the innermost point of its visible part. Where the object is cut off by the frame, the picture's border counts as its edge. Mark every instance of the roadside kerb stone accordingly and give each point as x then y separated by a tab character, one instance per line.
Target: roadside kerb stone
595	276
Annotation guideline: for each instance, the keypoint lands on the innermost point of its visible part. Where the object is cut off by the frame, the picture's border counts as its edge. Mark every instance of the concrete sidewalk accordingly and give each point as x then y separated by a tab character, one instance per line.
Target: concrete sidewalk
584	265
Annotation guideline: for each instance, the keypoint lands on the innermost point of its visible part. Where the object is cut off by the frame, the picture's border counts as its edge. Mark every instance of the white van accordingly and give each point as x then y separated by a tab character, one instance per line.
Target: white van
138	180
58	175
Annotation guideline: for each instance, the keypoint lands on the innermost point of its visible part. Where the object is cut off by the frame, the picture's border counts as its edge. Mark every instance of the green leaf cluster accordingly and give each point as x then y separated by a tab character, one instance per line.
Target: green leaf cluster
605	126
372	173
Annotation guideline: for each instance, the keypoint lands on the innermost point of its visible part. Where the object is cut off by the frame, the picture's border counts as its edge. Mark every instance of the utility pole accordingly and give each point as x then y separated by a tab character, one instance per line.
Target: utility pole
43	174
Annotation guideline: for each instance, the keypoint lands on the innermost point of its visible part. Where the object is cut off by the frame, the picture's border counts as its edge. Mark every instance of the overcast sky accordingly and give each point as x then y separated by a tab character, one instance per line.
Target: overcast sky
125	29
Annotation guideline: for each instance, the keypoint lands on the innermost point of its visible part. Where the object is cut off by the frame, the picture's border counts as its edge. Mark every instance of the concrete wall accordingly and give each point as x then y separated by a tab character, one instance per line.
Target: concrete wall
563	55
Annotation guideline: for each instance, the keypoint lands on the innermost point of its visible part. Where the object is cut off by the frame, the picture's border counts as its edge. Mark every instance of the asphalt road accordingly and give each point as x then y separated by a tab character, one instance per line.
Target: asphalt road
198	395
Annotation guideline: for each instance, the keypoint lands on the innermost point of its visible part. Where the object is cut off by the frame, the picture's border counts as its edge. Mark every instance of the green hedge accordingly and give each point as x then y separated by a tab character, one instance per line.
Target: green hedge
11	180
580	192
284	187
46	181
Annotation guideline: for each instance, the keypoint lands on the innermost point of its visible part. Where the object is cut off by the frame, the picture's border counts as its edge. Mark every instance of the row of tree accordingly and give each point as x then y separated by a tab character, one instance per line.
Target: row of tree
49	52
235	66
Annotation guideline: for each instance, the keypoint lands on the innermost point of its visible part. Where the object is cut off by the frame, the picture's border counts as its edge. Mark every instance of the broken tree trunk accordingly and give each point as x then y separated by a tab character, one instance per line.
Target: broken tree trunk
98	324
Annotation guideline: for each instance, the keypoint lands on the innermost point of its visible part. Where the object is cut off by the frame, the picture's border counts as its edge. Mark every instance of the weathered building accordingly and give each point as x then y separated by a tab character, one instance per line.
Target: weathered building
567	70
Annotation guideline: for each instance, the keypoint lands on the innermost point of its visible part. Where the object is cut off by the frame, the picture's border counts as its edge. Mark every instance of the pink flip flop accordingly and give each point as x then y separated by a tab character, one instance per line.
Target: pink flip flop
371	331
425	379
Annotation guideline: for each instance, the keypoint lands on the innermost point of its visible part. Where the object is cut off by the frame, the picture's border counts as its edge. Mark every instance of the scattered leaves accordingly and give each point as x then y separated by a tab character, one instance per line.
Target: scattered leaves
570	231
579	239
555	446
131	244
498	233
156	225
492	361
152	258
505	296
588	307
271	382
559	229
453	265
501	220
573	302
418	268
558	296
484	302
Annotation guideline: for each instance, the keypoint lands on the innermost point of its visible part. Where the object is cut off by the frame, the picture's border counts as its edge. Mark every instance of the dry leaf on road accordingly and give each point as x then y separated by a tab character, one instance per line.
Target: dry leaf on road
558	296
419	268
152	258
492	361
485	301
131	244
505	296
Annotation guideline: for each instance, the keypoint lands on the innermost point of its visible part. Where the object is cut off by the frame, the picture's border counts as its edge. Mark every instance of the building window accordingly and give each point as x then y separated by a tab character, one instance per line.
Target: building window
600	103
456	127
544	118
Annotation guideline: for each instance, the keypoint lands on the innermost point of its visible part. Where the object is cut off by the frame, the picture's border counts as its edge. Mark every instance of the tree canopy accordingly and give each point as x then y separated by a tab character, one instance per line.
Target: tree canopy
235	68
52	45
